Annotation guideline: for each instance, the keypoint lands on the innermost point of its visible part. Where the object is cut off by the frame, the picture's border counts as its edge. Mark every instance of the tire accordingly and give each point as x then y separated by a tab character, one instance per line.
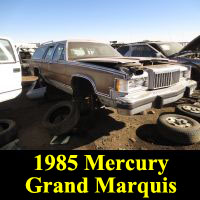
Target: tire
61	118
197	104
179	135
8	131
180	110
14	145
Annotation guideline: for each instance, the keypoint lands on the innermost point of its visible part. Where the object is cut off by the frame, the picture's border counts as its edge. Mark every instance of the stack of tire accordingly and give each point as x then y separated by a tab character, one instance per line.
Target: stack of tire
183	127
8	135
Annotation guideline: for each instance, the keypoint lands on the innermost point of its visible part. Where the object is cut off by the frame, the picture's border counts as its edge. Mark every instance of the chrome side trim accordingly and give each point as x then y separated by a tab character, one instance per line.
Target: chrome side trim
61	86
96	67
69	90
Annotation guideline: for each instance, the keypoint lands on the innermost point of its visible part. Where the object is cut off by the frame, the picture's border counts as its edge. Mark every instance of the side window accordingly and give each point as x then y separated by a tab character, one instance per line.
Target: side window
39	53
49	53
136	51
59	52
143	51
123	50
148	52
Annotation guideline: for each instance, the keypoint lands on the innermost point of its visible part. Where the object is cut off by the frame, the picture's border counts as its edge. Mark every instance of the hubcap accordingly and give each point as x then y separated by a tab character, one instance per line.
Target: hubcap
192	109
179	122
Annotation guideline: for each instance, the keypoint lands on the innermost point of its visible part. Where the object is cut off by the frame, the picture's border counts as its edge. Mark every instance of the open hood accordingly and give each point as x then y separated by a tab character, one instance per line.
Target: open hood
115	60
126	64
194	45
122	60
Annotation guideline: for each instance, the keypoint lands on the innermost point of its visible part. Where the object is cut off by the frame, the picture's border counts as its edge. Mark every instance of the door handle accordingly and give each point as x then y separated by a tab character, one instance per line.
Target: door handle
16	70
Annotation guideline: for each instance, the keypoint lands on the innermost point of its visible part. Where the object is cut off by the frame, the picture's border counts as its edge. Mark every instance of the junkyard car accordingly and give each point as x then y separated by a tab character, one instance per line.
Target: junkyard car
10	71
95	72
25	52
190	54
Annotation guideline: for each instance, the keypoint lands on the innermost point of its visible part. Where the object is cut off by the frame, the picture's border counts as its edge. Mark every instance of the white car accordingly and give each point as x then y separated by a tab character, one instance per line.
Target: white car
10	71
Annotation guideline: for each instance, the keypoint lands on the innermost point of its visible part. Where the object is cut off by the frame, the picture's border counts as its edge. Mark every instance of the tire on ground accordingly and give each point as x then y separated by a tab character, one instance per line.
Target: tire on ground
14	145
179	135
8	131
61	118
180	110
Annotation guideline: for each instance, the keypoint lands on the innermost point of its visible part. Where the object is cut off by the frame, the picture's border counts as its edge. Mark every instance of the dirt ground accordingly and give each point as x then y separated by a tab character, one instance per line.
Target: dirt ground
108	131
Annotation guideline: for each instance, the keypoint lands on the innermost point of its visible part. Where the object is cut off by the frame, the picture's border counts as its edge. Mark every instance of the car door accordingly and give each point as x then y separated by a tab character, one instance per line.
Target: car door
10	68
57	66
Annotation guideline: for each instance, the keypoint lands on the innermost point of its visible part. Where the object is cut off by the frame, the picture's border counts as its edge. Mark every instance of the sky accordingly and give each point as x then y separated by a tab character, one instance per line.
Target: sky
104	20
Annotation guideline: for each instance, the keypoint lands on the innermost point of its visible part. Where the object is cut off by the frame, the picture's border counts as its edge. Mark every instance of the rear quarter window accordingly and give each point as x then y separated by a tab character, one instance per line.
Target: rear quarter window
39	53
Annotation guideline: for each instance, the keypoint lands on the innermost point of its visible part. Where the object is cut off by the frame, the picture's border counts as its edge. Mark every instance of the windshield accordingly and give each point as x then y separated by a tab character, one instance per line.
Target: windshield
170	48
6	52
79	50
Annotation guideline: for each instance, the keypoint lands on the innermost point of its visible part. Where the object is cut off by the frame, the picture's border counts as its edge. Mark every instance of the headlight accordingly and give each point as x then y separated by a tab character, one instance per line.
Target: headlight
185	74
121	85
138	82
128	85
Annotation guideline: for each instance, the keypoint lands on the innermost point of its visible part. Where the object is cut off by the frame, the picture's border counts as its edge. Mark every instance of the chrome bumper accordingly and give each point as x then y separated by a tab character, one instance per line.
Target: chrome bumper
140	101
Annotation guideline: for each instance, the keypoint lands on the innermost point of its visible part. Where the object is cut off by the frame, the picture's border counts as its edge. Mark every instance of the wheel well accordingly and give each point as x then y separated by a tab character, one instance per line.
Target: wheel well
82	85
195	72
36	71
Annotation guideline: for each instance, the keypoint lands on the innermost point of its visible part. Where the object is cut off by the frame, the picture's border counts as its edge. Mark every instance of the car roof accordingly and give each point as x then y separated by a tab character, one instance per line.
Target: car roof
139	43
71	40
150	42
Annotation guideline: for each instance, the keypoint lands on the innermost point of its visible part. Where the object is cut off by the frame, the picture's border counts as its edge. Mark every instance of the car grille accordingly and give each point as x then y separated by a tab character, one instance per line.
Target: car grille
161	80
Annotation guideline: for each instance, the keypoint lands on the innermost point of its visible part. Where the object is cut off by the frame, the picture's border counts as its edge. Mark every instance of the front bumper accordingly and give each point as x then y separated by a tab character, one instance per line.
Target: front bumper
140	101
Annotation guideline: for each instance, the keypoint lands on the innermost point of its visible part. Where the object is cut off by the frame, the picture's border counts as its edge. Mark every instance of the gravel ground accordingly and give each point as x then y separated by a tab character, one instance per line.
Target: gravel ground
108	131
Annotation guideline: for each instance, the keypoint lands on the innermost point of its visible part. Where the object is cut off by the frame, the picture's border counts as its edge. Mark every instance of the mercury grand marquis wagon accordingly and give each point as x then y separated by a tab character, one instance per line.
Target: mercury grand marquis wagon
96	73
